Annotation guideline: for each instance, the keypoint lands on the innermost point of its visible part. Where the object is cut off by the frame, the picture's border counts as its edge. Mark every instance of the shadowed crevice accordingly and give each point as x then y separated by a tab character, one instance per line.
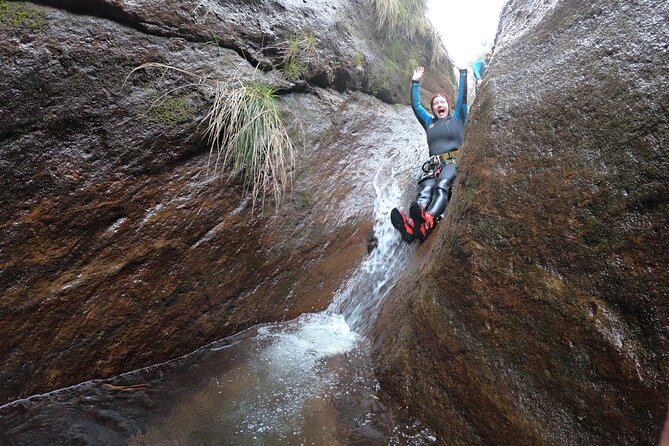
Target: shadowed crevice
104	10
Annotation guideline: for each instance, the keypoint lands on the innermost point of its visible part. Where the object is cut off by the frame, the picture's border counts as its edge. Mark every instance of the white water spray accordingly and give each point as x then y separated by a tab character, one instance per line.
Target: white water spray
305	381
360	299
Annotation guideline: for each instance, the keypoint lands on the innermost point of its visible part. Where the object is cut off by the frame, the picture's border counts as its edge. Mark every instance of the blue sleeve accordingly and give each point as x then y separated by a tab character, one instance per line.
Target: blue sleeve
461	105
477	69
421	114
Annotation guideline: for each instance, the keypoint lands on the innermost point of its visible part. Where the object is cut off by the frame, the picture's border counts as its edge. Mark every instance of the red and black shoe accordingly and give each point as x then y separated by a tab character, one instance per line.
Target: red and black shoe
423	221
403	224
429	222
417	213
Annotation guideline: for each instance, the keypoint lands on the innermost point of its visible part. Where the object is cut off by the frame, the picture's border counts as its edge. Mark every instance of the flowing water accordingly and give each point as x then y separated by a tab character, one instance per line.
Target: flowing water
303	382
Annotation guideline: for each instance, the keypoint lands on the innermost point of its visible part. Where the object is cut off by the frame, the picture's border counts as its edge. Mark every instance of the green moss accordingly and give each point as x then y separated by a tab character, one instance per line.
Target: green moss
170	111
19	15
358	60
303	200
398	59
378	83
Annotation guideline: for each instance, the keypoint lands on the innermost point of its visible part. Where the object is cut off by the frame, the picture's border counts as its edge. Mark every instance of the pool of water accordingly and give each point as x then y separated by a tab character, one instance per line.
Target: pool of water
309	381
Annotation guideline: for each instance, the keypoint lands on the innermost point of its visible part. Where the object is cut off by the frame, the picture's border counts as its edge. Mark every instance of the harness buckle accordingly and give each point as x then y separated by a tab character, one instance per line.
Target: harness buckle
431	164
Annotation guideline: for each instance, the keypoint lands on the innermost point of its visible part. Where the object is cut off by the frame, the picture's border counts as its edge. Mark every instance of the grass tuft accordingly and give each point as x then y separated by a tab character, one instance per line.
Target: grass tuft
245	131
438	54
297	53
404	23
310	42
293	70
399	18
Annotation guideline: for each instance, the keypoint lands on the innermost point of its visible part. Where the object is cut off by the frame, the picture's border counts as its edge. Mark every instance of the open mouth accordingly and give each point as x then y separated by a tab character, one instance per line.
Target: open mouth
441	110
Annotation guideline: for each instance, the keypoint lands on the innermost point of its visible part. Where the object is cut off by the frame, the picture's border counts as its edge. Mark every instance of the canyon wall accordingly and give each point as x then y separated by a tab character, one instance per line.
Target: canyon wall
539	313
120	248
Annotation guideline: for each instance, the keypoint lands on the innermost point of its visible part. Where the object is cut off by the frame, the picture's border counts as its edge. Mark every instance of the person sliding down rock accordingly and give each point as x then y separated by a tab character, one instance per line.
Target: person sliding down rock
480	68
444	132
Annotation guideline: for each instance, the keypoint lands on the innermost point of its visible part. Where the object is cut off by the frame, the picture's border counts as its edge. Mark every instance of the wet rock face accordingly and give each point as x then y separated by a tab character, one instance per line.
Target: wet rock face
347	54
118	250
542	314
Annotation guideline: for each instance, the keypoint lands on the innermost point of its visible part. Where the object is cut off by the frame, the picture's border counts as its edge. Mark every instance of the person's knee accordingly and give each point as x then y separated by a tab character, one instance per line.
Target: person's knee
424	194
444	184
426	190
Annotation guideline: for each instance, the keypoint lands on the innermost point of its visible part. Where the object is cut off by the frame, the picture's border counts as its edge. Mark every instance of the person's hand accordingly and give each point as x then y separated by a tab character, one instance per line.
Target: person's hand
479	82
418	74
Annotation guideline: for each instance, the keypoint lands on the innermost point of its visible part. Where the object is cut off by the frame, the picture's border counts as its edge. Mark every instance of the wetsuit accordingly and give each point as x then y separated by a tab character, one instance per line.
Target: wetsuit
479	69
443	136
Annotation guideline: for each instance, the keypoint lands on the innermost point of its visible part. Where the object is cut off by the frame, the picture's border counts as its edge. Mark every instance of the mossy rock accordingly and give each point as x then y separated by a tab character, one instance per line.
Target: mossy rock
18	15
171	110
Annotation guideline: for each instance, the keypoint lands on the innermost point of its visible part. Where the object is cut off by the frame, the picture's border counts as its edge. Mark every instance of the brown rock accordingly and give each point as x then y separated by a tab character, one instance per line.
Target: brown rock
118	250
541	316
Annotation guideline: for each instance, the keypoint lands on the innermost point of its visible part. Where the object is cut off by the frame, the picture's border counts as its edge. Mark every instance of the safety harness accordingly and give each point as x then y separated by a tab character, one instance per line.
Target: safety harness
432	167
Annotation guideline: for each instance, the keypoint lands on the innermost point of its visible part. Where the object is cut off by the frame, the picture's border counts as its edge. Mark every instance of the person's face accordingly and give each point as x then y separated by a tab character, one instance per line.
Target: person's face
488	57
440	107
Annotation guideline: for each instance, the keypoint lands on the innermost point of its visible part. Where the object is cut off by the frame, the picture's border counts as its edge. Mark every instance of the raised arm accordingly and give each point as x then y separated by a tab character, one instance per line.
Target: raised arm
421	114
460	111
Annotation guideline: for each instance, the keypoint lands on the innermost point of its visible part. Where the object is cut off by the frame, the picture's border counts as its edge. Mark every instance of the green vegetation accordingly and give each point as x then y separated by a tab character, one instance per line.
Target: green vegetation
293	70
20	15
401	19
245	130
308	43
404	23
436	46
358	61
399	57
170	110
409	40
297	53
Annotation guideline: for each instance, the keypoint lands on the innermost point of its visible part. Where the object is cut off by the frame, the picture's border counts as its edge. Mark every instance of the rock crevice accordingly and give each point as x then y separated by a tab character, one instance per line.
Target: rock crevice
115	12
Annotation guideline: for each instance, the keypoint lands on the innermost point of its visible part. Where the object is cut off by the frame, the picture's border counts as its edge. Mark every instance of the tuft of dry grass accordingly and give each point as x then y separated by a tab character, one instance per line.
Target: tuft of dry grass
438	54
245	132
400	18
404	22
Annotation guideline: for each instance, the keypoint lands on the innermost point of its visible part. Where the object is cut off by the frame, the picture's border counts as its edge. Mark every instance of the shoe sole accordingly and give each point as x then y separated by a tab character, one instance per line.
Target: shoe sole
417	217
398	222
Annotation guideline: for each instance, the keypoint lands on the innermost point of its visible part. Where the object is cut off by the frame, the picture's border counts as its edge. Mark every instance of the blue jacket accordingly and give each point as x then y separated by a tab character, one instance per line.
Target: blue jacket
479	69
443	135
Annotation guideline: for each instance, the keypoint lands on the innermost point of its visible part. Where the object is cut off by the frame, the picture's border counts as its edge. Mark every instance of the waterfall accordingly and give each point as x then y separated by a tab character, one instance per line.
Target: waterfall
305	381
360	299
